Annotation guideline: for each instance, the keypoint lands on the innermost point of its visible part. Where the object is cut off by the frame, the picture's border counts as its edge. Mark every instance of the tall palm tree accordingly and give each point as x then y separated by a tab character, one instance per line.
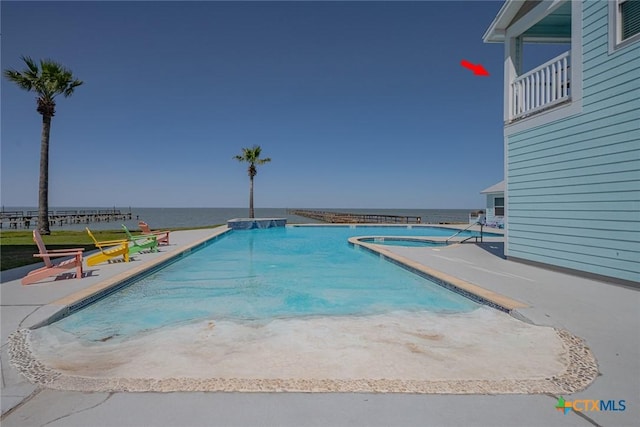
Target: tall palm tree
48	80
252	156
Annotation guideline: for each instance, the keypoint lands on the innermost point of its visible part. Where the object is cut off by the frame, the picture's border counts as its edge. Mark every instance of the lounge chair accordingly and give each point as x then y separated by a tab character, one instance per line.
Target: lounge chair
496	223
50	268
161	236
140	243
109	249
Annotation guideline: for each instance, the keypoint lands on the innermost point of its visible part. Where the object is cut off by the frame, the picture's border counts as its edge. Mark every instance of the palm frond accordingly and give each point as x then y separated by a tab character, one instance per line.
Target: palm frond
31	64
69	91
263	161
48	79
252	156
19	79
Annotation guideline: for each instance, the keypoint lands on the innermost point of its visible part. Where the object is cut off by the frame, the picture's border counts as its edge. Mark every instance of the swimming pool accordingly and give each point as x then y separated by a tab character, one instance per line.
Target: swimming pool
130	341
260	275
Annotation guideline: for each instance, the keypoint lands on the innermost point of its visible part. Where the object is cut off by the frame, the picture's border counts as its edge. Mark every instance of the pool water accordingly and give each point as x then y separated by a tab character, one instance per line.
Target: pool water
255	276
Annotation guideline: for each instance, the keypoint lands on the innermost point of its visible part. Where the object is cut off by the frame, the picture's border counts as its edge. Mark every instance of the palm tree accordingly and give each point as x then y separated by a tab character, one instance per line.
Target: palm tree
252	156
48	80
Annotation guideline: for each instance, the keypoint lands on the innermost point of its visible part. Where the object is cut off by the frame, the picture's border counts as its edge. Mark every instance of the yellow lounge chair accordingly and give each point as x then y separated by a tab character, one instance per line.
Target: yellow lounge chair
109	249
50	268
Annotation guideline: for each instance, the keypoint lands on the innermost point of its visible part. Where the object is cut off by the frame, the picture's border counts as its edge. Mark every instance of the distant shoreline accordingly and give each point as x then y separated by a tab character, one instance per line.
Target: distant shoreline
31	208
197	217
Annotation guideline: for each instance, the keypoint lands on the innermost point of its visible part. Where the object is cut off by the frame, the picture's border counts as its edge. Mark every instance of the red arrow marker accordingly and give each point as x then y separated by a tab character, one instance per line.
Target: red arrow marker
478	70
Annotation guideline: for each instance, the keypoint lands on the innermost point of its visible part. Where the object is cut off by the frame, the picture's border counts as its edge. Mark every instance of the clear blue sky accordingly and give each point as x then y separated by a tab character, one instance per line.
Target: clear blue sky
359	104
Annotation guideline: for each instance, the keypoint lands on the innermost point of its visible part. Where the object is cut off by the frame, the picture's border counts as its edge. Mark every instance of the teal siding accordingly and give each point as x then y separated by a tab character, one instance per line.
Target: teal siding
573	185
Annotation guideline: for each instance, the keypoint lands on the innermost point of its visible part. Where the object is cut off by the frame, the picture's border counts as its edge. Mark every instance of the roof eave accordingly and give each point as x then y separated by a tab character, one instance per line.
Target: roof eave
496	188
496	36
498	28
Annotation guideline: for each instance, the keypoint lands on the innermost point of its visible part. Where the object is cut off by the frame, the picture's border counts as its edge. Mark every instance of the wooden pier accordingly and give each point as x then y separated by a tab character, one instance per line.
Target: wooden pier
351	218
28	219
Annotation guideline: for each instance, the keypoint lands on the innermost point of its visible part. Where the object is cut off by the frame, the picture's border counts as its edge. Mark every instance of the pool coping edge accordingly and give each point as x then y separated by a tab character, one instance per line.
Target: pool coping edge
459	286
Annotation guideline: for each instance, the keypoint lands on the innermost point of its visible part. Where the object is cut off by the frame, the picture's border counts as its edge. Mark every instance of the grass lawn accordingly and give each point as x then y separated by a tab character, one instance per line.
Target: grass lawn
17	247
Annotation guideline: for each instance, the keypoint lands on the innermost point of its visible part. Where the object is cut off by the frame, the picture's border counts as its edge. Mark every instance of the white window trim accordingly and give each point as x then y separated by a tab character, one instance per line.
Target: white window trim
496	206
564	110
615	29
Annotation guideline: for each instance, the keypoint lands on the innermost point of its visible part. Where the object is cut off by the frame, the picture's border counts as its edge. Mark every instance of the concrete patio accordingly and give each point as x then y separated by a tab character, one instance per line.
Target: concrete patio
605	315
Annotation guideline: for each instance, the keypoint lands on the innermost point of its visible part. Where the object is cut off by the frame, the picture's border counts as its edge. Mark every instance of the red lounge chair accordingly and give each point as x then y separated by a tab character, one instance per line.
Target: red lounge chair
161	236
50	268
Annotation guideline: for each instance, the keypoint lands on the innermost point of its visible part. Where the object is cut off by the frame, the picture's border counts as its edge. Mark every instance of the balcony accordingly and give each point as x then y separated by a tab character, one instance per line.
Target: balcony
541	88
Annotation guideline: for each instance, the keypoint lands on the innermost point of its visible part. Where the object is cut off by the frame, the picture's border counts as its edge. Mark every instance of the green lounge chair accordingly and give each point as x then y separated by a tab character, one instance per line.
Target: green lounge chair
140	243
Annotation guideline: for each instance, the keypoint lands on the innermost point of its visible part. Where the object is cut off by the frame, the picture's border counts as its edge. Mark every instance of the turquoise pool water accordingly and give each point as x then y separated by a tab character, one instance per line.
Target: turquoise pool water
259	275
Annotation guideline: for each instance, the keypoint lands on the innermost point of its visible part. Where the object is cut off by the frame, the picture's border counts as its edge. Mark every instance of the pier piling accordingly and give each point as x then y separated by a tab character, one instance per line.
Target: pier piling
351	218
27	219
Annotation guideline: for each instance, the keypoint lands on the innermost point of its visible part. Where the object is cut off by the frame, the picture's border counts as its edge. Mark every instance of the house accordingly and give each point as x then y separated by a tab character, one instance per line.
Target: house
572	136
493	215
495	204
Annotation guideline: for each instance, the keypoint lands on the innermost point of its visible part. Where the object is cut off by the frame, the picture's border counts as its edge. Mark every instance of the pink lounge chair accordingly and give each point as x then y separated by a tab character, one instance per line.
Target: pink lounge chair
50	268
161	236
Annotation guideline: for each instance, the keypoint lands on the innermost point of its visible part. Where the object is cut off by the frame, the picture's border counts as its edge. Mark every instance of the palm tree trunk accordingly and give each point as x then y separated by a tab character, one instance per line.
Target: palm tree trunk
43	187
251	213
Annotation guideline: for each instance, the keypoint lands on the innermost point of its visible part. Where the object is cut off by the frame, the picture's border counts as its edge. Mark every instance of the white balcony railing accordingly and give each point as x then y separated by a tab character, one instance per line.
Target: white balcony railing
542	87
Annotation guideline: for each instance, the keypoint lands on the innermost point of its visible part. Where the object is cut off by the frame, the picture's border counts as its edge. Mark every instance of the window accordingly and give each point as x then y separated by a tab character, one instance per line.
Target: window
498	205
629	18
624	23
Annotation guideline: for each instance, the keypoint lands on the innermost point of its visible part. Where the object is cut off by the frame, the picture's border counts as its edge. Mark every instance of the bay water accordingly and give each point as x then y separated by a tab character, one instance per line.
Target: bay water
199	217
